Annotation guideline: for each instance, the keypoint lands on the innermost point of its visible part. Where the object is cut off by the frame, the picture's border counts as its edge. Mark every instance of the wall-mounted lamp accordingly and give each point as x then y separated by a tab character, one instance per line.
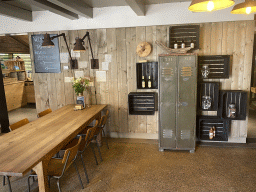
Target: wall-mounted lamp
79	47
246	7
209	5
47	42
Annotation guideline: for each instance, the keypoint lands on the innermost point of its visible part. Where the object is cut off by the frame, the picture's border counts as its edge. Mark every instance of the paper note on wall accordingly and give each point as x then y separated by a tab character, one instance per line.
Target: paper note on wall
108	58
68	79
75	53
101	76
79	74
83	64
64	57
105	66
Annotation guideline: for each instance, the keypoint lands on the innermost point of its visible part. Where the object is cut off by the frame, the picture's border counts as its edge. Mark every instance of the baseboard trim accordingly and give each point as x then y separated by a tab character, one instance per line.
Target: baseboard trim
237	140
134	135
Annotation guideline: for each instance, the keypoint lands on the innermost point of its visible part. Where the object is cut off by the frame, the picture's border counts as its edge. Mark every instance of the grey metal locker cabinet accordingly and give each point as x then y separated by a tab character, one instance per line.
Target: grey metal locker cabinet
177	102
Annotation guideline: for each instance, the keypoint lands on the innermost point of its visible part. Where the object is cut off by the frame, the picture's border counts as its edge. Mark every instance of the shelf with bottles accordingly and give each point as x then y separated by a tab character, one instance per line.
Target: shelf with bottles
142	103
212	128
147	75
208	96
214	66
233	105
184	36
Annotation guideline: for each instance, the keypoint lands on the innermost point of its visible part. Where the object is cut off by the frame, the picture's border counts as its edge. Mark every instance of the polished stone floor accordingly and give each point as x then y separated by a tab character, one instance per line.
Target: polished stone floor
137	165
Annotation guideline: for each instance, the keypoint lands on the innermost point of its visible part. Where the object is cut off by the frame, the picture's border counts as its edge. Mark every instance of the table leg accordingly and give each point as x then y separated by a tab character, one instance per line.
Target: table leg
99	137
42	173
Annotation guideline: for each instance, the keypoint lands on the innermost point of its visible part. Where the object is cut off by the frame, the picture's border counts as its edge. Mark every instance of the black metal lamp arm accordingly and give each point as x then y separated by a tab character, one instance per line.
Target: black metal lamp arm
87	35
64	36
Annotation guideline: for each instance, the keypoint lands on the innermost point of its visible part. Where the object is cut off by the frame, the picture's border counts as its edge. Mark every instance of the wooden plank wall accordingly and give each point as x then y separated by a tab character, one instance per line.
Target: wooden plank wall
236	39
232	38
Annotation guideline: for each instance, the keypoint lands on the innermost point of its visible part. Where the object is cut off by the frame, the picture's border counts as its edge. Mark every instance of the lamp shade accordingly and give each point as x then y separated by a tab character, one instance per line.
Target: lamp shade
47	42
209	5
79	45
244	8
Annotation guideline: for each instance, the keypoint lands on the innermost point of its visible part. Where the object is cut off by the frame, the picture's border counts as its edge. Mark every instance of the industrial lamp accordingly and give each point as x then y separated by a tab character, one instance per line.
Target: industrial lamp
247	7
209	5
79	47
47	42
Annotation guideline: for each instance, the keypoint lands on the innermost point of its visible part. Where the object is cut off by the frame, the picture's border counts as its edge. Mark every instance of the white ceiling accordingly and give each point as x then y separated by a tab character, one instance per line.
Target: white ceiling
22	9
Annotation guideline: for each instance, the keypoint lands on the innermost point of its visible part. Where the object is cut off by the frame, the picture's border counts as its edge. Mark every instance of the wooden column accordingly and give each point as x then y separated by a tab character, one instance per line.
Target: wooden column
4	120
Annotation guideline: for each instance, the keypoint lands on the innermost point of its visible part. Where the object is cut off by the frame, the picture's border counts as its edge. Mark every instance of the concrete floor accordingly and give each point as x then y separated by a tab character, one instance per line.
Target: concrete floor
139	166
28	111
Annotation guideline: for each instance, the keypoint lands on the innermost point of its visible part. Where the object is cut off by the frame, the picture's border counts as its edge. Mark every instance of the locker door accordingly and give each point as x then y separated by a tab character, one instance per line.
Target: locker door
167	101
187	81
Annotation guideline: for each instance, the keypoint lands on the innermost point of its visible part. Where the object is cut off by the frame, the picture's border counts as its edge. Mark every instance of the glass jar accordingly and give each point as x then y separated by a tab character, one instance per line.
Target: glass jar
205	71
231	111
212	132
206	102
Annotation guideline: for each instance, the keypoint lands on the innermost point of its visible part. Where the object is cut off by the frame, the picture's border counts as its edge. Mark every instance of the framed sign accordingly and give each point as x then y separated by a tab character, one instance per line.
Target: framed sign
46	59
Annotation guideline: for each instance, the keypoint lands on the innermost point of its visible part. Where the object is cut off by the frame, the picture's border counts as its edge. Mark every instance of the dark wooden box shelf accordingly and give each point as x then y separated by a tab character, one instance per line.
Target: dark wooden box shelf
147	69
218	65
204	124
209	89
186	33
239	98
142	103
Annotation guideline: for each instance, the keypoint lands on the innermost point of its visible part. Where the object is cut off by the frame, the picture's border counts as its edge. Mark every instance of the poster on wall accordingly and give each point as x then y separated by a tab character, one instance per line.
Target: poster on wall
46	59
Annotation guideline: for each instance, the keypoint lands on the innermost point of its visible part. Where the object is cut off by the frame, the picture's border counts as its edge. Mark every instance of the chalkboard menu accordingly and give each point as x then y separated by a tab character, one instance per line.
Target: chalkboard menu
46	59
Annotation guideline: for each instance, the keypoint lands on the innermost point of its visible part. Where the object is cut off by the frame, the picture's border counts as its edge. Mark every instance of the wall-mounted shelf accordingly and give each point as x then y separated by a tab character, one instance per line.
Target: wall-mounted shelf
187	33
147	69
206	123
142	103
218	66
210	90
238	98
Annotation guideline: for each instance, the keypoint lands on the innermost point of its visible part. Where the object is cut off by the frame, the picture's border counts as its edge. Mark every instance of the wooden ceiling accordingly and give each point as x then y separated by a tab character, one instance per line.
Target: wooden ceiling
14	44
72	9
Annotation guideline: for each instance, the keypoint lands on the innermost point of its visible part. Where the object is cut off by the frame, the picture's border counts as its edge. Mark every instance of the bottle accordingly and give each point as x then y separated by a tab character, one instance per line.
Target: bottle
183	44
192	44
143	82
149	82
175	44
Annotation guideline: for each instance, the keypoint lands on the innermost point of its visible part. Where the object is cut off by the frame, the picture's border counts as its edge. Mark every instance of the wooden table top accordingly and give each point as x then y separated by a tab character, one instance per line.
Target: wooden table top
25	147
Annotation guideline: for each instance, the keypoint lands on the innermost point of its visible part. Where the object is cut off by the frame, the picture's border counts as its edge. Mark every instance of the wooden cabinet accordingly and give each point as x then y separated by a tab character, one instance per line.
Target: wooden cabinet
15	95
30	92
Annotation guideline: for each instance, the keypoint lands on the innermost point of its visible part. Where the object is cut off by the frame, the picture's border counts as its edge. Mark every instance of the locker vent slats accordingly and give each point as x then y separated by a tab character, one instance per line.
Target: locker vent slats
167	133
167	72
186	72
185	134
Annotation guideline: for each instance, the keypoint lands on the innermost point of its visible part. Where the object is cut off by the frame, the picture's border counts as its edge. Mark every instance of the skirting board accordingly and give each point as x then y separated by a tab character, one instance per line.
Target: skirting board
155	136
237	140
134	135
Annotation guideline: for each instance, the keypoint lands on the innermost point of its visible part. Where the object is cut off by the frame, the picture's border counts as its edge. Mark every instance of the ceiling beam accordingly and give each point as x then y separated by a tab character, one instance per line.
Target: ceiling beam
22	43
137	6
16	12
44	4
76	6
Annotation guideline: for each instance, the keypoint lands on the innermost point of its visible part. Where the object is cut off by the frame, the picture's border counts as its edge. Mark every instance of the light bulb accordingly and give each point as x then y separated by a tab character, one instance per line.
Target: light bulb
248	10
210	6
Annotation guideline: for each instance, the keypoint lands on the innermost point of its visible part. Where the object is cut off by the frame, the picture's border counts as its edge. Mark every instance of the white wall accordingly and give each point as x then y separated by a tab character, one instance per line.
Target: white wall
115	17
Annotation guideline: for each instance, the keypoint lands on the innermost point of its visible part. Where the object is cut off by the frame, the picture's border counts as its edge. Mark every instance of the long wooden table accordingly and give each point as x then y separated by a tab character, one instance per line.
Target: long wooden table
33	145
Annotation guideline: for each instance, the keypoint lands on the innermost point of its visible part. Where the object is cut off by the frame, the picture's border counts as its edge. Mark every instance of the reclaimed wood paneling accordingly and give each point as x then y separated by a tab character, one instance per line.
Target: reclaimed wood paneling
236	39
231	38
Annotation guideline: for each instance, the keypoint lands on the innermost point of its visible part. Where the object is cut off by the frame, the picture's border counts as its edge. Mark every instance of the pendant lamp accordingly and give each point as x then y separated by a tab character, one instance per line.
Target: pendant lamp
209	5
246	7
